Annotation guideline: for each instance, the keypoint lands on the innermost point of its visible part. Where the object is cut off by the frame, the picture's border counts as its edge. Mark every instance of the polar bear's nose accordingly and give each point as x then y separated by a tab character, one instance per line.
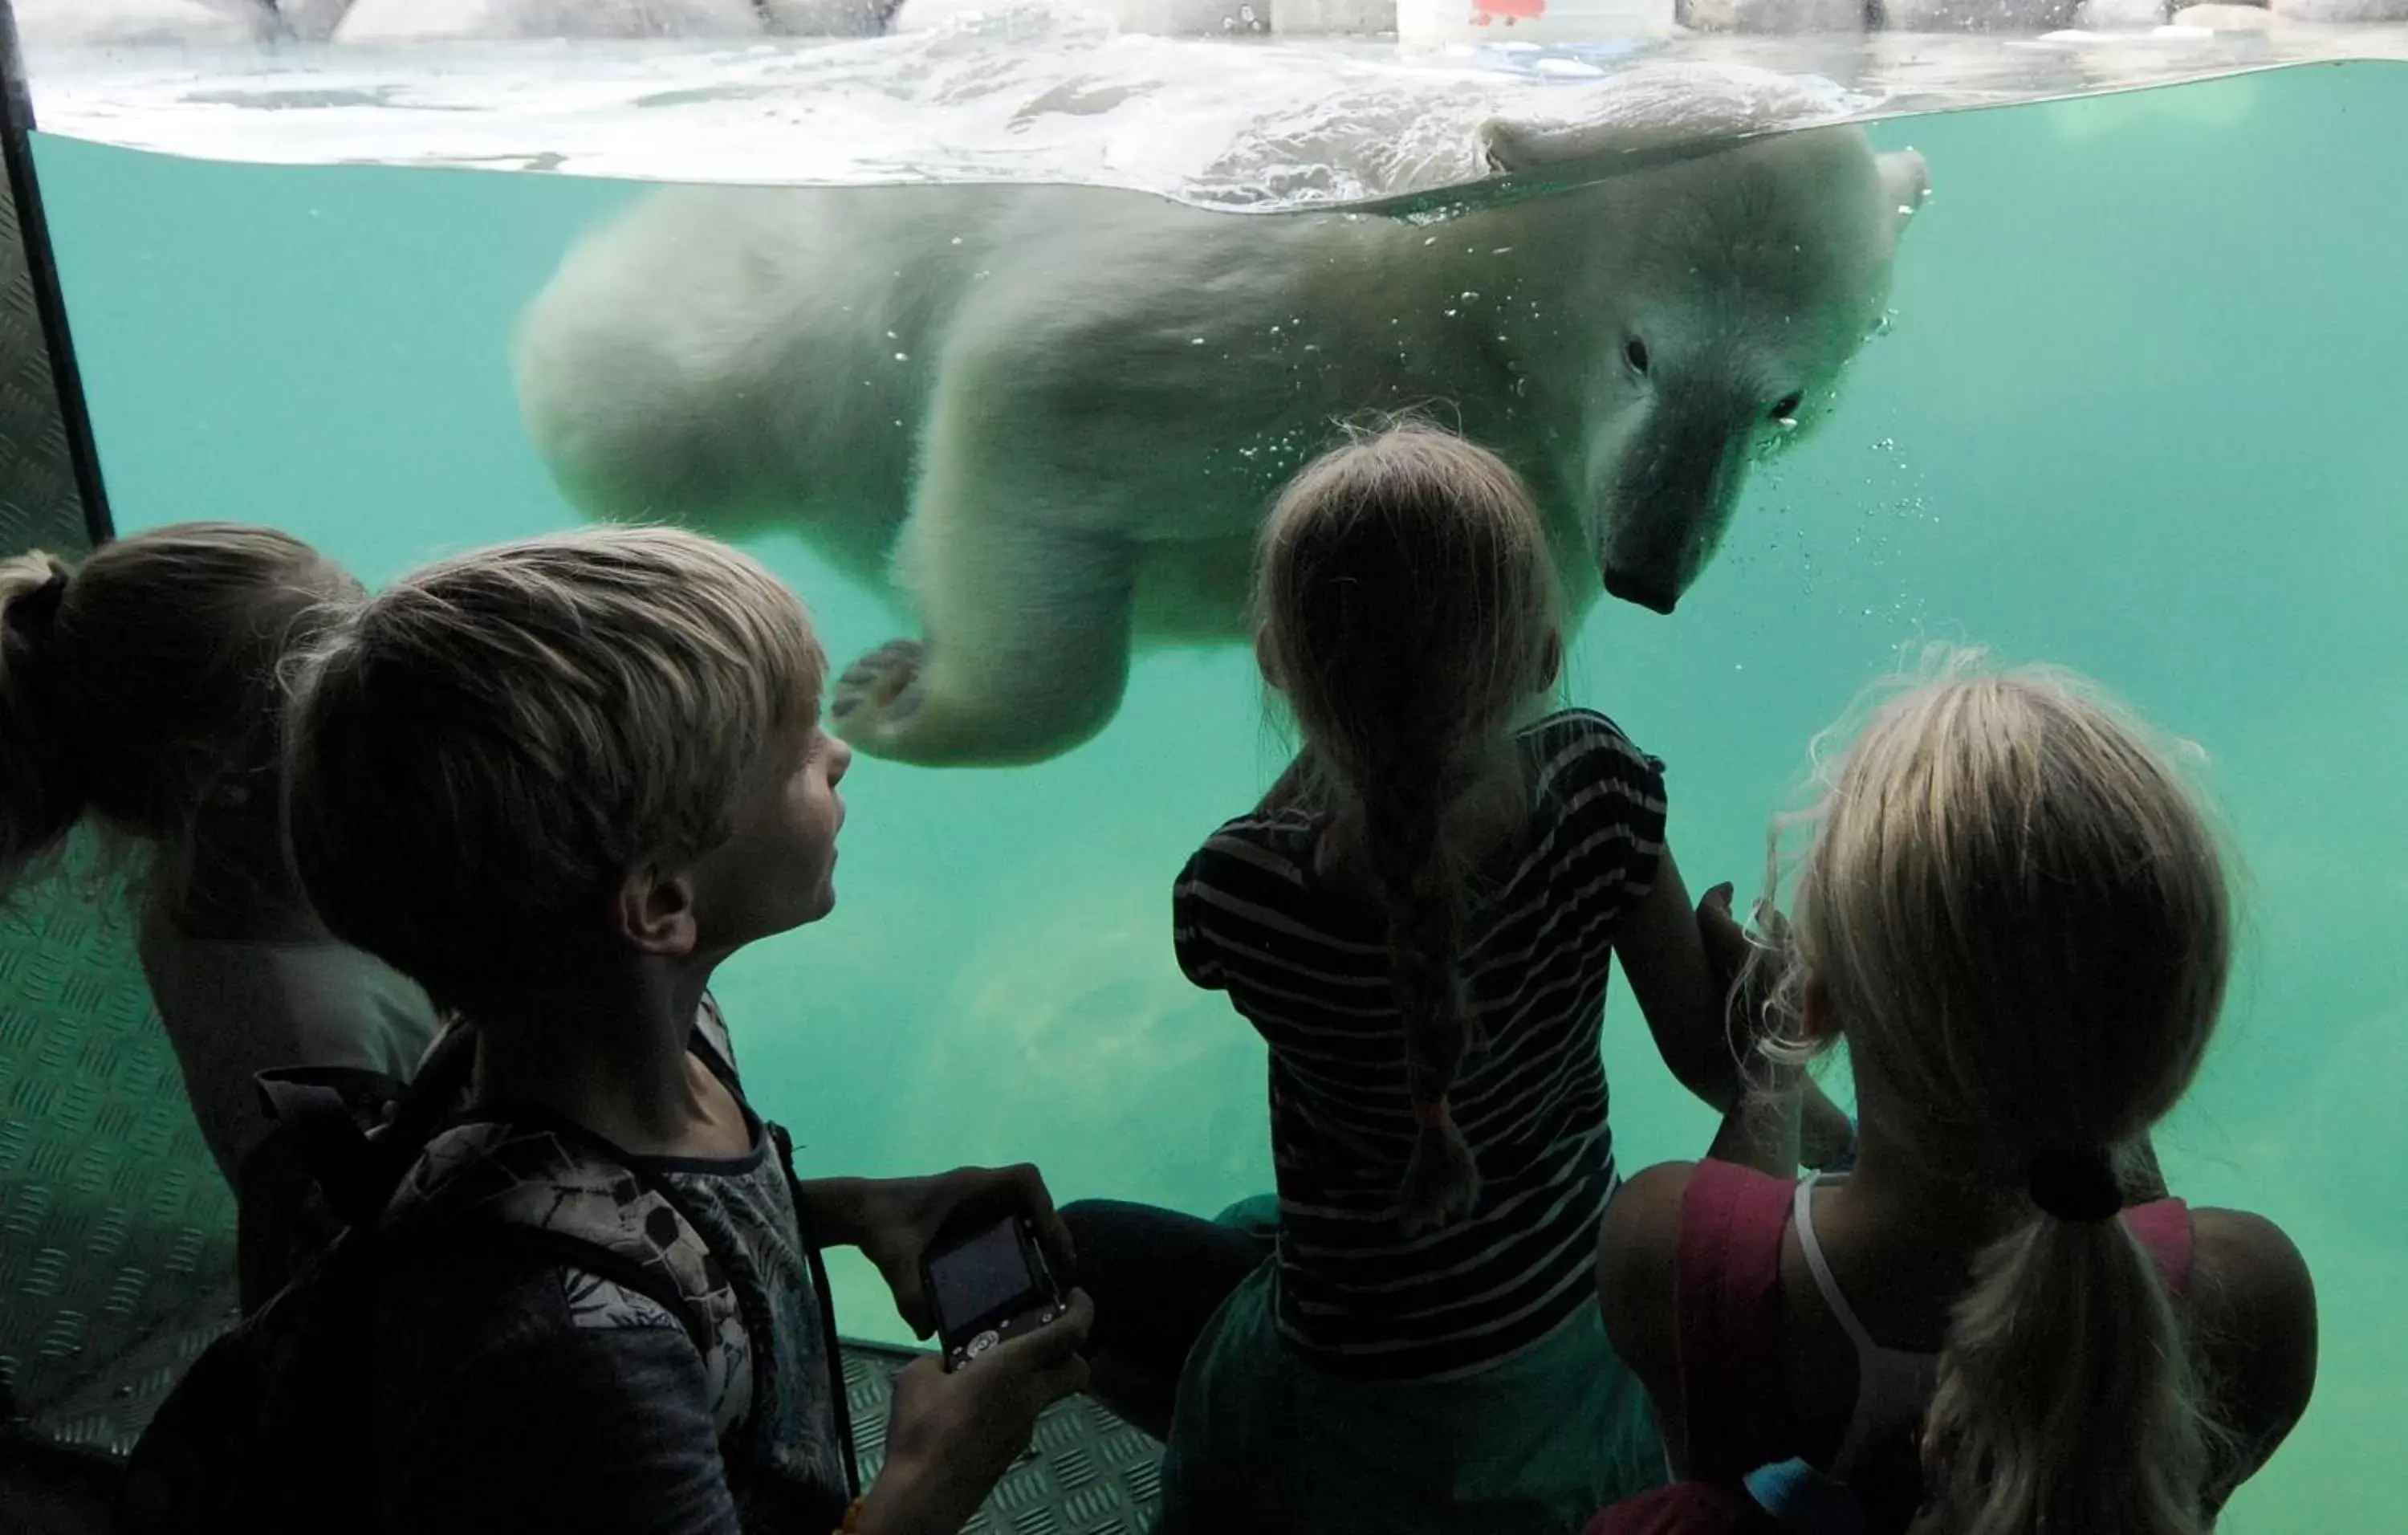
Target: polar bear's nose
1646	595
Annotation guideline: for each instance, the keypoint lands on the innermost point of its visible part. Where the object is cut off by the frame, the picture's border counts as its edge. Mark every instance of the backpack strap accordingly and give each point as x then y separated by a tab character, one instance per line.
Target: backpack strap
544	1185
603	1260
831	1343
321	1109
327	1112
711	1042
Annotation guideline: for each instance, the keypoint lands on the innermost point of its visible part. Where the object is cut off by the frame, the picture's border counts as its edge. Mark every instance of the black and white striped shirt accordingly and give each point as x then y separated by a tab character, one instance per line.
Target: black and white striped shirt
1308	966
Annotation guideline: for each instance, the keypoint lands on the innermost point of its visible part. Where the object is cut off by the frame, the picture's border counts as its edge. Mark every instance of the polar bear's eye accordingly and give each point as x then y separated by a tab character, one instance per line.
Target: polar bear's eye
1786	408
1634	351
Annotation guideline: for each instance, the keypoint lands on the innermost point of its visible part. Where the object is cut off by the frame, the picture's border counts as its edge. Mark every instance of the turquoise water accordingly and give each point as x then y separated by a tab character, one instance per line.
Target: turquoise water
2131	417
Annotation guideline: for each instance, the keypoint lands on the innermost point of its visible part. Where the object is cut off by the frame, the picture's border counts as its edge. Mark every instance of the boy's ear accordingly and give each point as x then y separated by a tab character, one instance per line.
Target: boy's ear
654	913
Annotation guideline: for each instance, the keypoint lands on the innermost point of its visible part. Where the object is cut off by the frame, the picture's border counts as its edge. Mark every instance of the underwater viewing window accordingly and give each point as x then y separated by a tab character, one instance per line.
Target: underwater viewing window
2123	396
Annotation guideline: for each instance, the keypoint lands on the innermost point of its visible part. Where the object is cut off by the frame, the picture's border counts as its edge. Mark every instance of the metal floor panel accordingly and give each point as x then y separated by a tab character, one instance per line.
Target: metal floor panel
1086	1472
114	1224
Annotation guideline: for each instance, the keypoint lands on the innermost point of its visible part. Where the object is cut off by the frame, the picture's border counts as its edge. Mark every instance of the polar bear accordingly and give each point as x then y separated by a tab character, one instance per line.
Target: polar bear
1053	418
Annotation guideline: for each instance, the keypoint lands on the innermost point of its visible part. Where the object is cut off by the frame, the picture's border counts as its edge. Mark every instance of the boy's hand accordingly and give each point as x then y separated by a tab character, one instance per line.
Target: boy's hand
898	1218
951	1438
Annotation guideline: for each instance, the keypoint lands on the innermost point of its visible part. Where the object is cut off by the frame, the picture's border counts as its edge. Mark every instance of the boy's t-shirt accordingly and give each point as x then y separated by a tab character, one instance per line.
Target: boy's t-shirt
514	1395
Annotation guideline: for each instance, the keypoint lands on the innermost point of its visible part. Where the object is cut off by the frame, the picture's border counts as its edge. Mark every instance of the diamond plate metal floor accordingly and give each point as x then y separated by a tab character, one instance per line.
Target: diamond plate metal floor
114	1224
1087	1471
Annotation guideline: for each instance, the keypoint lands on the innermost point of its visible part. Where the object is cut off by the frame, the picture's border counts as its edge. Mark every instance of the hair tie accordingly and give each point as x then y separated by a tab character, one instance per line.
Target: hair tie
1431	1113
2077	1185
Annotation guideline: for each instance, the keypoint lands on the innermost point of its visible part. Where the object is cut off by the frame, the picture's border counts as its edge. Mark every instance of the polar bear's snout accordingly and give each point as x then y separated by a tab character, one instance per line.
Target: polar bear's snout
1661	517
1636	589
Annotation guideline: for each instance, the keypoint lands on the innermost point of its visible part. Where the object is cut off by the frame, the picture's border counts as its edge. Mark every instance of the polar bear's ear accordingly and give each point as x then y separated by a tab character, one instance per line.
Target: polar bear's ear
1905	182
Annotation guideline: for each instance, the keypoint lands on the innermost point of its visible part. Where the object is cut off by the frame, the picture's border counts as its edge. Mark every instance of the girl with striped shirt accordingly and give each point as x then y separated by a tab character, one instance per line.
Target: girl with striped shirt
1419	921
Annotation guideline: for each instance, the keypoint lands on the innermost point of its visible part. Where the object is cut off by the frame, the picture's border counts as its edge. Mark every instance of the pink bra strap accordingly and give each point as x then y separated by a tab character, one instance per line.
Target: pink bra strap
1729	1297
2164	1229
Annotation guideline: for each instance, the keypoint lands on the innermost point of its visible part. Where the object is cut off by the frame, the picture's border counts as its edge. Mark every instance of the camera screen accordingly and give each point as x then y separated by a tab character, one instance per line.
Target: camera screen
983	1274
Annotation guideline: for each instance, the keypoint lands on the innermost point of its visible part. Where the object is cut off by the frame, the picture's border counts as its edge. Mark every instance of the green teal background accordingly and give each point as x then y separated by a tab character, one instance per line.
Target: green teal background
2140	412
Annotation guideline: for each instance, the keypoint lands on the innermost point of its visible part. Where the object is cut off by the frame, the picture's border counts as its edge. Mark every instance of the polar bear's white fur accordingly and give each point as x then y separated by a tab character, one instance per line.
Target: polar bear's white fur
1053	417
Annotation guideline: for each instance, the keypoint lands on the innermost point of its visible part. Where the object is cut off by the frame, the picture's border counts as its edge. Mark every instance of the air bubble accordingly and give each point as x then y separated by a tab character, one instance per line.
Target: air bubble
902	356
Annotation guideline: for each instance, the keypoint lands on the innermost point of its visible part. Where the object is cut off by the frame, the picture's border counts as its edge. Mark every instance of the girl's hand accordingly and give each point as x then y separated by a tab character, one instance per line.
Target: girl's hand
951	1438
1826	1134
894	1220
1728	949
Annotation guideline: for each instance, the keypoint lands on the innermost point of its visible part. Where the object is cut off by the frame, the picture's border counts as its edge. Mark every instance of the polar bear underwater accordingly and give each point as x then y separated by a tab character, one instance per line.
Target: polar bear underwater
1052	418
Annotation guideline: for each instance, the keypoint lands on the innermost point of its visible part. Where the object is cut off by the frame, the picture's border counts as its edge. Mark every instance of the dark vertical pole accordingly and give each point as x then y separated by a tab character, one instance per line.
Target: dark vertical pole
17	150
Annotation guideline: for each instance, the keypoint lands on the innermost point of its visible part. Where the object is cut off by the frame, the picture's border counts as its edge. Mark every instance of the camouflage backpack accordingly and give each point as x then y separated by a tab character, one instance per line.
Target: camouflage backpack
272	1428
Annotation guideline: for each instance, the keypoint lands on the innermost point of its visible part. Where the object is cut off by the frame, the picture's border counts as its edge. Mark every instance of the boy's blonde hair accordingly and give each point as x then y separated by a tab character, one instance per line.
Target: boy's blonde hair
142	683
2018	913
1407	598
485	750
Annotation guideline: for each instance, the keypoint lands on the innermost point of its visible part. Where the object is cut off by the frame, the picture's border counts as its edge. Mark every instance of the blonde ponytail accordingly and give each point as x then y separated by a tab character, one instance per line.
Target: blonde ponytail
2066	1398
144	679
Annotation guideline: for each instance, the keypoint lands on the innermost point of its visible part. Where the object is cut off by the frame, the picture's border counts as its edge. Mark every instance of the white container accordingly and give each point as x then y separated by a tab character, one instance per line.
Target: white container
1334	18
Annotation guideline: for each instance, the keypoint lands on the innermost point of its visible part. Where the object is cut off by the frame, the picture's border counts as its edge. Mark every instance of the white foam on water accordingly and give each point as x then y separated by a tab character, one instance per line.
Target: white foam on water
1021	92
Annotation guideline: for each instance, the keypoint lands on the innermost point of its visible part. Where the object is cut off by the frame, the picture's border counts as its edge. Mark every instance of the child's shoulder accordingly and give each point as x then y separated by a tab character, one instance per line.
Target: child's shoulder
1574	746
1273	845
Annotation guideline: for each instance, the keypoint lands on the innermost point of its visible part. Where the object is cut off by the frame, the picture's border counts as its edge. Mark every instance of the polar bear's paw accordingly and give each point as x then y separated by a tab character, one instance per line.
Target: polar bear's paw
879	692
